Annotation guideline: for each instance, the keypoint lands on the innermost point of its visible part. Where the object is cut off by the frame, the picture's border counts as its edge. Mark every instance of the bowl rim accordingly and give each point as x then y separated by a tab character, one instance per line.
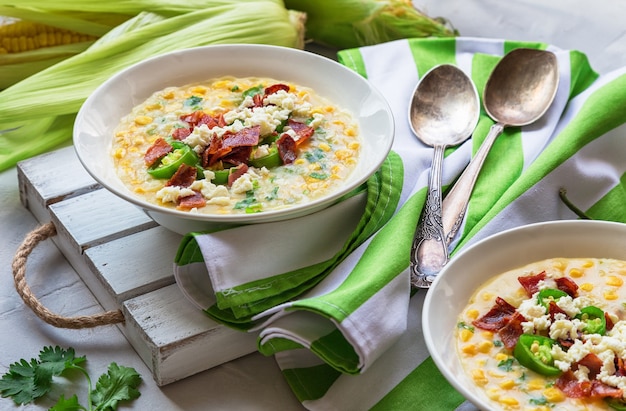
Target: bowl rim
431	297
265	216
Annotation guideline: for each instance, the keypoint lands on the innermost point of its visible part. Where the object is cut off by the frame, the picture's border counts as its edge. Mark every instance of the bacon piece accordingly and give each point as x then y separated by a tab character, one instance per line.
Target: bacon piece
620	369
257	100
275	88
609	322
199	117
159	149
238	155
195	200
530	282
236	173
286	148
567	285
554	309
593	363
246	137
183	177
573	388
510	332
496	317
181	133
303	131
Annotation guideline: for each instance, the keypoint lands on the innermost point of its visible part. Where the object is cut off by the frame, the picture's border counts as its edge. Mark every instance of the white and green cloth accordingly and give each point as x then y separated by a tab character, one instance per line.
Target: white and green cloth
329	294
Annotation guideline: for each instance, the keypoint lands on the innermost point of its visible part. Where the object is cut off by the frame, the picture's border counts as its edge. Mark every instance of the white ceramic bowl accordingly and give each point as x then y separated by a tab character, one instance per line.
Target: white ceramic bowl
102	111
468	270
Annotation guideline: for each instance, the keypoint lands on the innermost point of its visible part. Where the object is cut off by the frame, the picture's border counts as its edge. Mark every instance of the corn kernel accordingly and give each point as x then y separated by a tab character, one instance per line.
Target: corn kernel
198	90
496	374
329	109
472	314
299	161
586	286
510	401
465	335
553	394
324	147
501	357
536	384
487	296
493	393
559	264
143	120
575	273
588	264
485	346
343	154
354	145
614	281
168	95
507	384
610	295
350	132
469	349
479	377
487	334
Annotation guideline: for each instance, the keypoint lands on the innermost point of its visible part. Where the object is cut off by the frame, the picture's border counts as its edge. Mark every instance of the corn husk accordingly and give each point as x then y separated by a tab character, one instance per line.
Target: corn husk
41	104
355	23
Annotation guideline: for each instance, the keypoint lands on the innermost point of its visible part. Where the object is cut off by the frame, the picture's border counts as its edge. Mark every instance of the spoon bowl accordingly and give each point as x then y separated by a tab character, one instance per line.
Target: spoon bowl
443	112
518	92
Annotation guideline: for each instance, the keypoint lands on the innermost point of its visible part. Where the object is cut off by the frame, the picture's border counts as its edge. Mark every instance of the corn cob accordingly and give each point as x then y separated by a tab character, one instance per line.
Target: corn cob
354	23
19	36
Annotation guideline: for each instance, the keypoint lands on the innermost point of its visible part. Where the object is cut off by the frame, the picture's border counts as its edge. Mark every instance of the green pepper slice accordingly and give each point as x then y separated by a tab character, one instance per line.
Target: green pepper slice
616	404
221	176
534	352
594	319
549	294
253	91
271	160
168	165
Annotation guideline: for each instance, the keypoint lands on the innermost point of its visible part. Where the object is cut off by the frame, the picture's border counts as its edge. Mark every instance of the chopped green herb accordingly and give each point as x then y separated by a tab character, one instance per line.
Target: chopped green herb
506	365
539	401
193	102
235	88
497	343
314	155
246	202
319	176
273	195
253	91
463	324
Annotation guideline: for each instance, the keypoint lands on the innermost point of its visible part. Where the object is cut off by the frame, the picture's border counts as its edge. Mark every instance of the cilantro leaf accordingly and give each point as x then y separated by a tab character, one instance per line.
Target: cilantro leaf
118	384
57	360
69	404
22	384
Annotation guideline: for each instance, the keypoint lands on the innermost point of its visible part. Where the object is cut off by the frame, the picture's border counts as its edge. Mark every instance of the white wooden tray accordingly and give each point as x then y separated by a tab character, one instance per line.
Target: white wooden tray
126	260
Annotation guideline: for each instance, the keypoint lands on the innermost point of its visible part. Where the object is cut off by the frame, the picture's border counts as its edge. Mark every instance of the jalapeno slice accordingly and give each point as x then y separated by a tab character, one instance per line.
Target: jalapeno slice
594	319
221	176
535	352
269	161
616	404
549	294
168	165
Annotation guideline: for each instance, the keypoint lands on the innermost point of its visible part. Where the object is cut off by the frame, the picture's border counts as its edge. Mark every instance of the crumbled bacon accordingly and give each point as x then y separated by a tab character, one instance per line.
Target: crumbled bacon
593	363
303	131
246	137
609	322
531	282
236	173
510	332
181	133
159	149
497	317
571	387
567	285
196	200
183	177
620	370
238	155
275	88
554	309
286	148
257	100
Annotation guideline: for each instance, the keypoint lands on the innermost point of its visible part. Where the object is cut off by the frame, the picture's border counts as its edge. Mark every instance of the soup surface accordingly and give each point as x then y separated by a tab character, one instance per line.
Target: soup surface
235	145
549	336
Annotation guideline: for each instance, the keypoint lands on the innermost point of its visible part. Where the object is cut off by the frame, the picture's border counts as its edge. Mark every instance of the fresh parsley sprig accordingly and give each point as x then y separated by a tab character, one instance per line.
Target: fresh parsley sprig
26	381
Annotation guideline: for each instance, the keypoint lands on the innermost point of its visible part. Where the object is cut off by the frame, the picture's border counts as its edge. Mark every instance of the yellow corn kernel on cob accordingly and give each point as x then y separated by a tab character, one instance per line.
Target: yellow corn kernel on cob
17	36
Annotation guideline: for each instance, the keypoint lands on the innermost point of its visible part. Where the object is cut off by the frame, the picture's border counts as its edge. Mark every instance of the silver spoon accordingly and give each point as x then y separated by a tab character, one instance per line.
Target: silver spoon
518	92
443	112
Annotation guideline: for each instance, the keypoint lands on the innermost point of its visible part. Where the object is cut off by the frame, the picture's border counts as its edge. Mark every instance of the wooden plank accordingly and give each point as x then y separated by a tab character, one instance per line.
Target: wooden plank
135	264
50	178
178	338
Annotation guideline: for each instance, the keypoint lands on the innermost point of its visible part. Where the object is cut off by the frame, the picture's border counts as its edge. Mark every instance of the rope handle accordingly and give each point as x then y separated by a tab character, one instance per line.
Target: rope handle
32	239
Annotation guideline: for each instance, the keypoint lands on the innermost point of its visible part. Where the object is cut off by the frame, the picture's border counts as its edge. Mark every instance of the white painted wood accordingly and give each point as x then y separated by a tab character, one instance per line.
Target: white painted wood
181	340
126	261
50	178
135	264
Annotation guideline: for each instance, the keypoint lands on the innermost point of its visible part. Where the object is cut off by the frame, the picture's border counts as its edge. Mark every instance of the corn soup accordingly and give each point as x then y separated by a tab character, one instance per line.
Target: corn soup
235	145
549	336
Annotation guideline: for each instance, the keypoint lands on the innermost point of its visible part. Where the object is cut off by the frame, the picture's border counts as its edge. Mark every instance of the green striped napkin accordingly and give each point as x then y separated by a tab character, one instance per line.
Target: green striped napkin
329	294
